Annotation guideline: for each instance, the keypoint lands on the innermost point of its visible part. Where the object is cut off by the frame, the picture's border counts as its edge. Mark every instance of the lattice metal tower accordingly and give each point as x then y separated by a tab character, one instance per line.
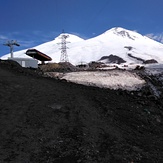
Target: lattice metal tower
64	56
11	44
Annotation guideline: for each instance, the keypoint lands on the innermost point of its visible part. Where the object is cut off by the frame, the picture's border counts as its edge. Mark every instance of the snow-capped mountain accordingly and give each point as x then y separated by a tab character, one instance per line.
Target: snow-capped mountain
131	46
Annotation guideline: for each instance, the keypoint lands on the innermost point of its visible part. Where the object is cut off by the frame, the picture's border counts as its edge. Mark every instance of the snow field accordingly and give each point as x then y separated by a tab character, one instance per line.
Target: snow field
112	41
107	79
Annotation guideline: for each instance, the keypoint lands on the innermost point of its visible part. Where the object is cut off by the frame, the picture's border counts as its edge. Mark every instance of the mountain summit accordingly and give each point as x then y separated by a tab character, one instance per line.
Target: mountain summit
128	45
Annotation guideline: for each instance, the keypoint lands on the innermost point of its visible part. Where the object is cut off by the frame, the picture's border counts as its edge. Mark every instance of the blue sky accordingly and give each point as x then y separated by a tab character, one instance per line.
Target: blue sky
32	22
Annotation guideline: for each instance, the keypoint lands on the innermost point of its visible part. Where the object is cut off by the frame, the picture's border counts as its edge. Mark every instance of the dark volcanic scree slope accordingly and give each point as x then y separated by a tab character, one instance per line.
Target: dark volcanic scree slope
47	120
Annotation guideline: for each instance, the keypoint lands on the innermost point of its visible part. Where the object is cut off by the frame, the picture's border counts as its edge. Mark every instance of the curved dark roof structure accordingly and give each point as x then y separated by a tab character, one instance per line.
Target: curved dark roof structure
38	55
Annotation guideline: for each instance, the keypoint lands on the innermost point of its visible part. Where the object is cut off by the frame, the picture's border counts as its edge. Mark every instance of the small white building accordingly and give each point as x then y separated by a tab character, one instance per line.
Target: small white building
26	62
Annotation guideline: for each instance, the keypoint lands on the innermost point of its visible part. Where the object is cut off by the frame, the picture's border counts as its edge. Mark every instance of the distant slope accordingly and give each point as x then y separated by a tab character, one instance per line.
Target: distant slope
113	41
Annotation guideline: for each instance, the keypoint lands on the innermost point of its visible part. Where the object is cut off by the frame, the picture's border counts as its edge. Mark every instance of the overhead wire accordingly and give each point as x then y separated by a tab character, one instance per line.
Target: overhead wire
91	23
56	15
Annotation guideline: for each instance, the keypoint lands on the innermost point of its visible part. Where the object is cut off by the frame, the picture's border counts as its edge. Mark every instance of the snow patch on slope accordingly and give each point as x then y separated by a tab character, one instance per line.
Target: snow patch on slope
107	79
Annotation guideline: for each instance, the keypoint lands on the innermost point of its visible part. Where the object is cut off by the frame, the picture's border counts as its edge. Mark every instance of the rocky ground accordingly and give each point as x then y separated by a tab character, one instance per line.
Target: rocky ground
45	120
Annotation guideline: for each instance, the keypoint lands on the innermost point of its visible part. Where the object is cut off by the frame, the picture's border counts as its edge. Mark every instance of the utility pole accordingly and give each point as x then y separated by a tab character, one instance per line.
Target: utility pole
64	56
11	44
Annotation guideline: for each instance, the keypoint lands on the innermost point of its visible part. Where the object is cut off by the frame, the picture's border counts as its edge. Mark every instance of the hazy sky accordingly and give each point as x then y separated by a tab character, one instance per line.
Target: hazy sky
32	22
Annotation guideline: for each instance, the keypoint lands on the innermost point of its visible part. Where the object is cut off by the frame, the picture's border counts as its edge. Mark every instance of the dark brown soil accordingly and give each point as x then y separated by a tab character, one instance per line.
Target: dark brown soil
45	120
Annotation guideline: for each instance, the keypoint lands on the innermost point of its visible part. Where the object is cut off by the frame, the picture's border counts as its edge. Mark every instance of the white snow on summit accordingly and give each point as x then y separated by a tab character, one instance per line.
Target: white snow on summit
115	41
